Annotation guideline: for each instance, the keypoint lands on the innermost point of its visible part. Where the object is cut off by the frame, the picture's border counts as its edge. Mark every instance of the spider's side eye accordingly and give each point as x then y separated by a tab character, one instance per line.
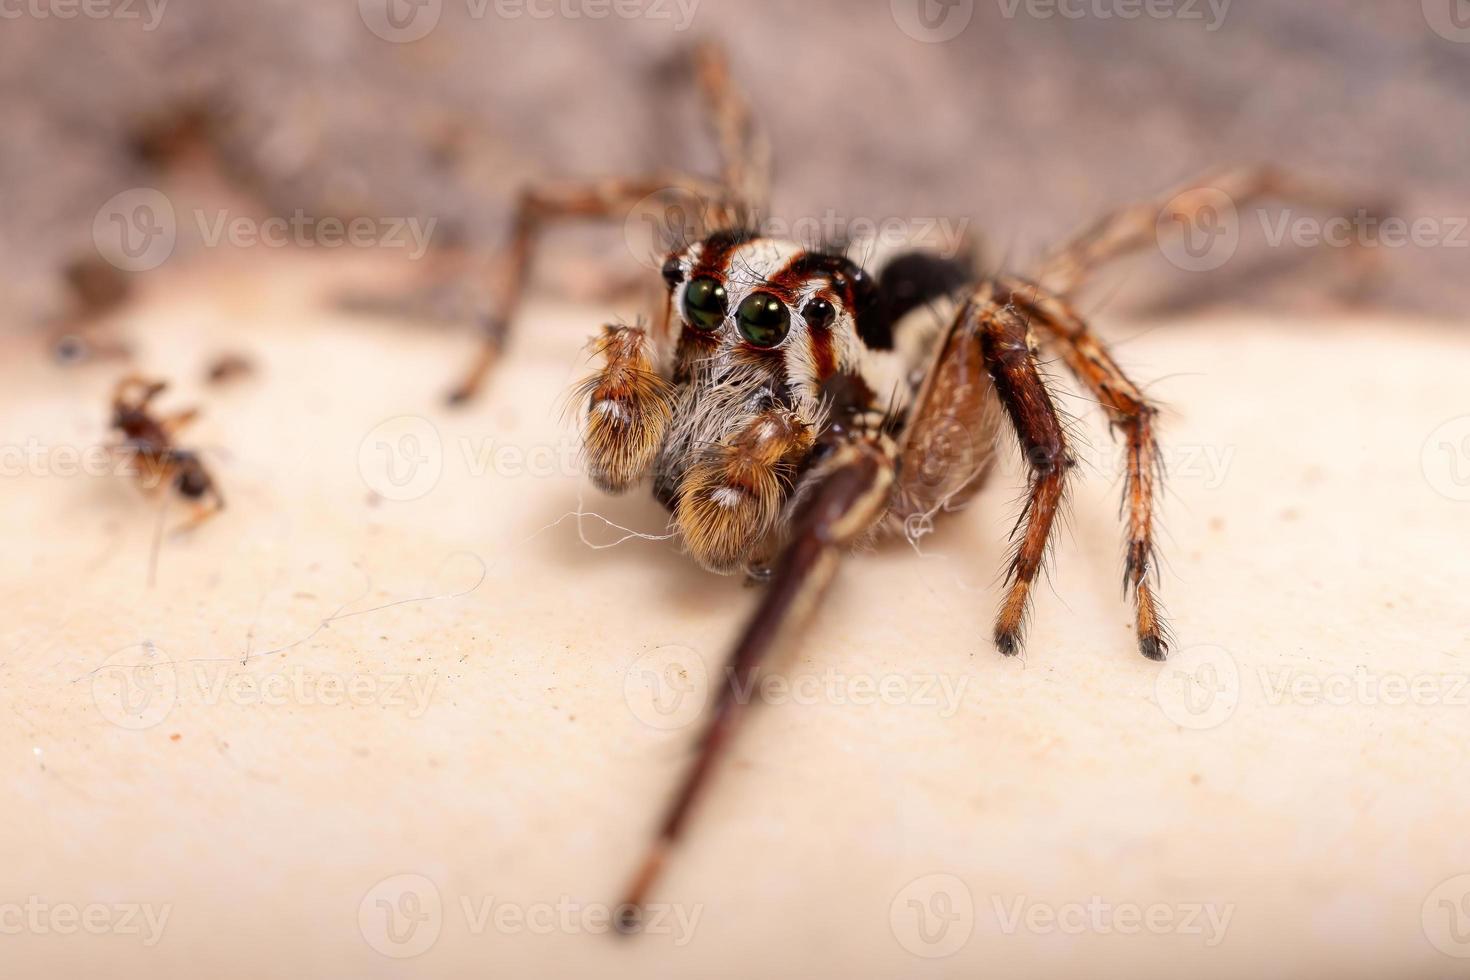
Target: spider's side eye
673	273
763	319
819	314
705	303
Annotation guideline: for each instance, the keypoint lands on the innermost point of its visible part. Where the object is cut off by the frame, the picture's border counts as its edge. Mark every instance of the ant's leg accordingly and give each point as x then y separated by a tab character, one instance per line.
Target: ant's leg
174	422
1136	227
542	203
200	513
844	497
137	392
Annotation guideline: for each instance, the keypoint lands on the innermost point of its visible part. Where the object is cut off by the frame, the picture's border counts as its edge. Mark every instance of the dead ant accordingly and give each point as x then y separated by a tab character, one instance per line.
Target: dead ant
788	401
149	442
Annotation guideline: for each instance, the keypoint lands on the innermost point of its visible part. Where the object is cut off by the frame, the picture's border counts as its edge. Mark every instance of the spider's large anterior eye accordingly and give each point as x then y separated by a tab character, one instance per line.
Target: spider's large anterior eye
705	303
763	319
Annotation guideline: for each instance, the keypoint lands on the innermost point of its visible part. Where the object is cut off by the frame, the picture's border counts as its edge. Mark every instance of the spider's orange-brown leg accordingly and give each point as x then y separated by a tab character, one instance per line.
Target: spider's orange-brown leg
731	201
1131	413
1006	352
841	501
1136	227
613	198
745	150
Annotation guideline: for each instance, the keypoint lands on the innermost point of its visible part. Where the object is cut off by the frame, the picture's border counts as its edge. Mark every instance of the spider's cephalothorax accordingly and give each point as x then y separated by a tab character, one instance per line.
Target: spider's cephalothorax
788	404
767	345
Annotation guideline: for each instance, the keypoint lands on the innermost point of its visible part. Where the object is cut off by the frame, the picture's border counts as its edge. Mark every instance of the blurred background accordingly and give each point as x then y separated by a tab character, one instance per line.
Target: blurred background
1027	117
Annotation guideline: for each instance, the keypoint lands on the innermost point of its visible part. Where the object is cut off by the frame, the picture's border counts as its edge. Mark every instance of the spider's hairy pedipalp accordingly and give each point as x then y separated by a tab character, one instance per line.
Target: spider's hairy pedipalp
628	408
731	498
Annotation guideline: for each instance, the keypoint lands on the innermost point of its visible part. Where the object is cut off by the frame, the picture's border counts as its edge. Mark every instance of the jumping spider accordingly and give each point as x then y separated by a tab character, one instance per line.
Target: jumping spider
788	402
149	441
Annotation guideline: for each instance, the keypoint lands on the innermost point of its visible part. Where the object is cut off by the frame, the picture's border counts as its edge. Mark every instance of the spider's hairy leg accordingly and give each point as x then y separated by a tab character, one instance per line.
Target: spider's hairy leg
841	500
628	408
610	199
731	498
1131	413
1136	226
745	150
1005	346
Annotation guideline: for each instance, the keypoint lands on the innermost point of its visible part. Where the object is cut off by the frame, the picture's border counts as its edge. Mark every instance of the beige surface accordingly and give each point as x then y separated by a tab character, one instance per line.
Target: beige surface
1306	537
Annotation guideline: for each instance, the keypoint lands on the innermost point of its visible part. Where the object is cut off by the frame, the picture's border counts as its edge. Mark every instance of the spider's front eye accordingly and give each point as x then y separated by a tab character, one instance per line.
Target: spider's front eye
705	303
673	272
819	314
763	319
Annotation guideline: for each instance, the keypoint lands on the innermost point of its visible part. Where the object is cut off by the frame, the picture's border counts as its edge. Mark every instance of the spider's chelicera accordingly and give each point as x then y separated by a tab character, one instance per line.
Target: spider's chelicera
787	403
